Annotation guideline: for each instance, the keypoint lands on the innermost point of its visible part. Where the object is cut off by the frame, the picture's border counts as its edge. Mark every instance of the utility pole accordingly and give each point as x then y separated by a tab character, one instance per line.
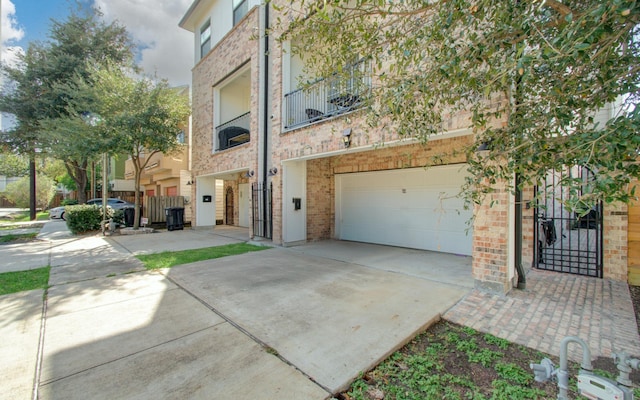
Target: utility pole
32	185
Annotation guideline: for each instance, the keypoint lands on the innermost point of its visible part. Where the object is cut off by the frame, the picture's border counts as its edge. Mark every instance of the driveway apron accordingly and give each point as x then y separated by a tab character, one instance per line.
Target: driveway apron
328	318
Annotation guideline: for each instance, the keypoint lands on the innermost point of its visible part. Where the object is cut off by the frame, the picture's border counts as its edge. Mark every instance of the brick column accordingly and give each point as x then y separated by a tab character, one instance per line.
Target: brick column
615	246
490	242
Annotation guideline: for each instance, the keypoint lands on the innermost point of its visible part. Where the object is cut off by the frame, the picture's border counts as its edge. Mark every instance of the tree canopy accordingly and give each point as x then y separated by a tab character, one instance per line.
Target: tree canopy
139	117
530	75
43	91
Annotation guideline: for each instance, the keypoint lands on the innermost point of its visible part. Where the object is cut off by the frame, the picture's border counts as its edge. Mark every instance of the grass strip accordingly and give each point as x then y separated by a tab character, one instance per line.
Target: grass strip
24	216
16	237
19	281
168	259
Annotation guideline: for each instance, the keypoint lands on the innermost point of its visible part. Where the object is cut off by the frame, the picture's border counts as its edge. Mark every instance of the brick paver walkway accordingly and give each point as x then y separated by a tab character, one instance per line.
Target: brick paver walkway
553	306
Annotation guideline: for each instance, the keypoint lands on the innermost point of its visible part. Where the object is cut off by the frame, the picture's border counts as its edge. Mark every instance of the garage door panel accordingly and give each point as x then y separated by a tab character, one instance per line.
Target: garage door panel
414	208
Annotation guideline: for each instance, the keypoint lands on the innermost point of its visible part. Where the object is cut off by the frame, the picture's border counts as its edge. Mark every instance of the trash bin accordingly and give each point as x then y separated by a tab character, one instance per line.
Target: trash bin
129	216
175	218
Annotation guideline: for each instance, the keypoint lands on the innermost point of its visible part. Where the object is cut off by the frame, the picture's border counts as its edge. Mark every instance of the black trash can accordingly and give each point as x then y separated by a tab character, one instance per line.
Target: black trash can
129	216
175	218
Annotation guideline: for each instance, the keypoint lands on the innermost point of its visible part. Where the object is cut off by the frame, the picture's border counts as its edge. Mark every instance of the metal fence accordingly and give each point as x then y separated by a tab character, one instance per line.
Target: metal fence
326	98
564	241
261	201
233	133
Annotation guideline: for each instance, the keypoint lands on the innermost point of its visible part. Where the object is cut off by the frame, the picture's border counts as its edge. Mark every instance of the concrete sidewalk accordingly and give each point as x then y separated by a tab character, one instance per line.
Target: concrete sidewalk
285	323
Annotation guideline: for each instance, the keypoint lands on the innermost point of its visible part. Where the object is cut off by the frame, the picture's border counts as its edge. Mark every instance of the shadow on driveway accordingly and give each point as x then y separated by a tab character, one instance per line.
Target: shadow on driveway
271	324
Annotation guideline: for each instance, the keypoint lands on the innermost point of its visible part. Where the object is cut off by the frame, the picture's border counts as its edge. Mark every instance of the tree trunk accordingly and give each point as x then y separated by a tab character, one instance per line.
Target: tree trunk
79	175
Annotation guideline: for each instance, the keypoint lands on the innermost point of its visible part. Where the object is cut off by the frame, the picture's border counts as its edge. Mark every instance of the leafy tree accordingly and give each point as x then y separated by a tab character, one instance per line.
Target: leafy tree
140	117
43	93
18	192
13	165
529	75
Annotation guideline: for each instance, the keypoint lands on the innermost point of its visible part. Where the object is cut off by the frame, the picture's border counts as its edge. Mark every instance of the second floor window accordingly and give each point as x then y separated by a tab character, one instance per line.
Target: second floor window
205	38
240	8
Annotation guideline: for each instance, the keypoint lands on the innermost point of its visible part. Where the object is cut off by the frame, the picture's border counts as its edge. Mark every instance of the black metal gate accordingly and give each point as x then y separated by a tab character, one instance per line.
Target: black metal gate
261	201
565	242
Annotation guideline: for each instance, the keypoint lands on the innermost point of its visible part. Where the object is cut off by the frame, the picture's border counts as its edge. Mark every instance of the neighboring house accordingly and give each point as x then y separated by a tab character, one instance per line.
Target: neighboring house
117	175
5	180
167	174
299	165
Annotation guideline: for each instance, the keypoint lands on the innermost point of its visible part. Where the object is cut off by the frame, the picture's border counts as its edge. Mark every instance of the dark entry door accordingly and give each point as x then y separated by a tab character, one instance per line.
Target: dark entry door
565	241
228	201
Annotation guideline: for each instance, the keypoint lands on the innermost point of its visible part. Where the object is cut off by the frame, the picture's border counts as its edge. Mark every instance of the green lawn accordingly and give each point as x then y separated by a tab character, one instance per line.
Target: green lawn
23	216
17	237
13	282
169	259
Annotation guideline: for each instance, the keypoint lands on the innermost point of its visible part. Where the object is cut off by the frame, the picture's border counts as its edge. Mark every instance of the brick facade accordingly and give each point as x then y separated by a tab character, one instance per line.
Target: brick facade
321	147
237	50
616	221
490	242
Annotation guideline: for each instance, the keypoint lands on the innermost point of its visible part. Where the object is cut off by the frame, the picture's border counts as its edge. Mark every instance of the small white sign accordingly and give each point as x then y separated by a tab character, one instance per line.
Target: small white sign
144	221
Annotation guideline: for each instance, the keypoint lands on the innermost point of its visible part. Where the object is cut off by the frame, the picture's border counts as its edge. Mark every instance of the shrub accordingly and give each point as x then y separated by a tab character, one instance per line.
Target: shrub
18	192
68	202
118	217
83	218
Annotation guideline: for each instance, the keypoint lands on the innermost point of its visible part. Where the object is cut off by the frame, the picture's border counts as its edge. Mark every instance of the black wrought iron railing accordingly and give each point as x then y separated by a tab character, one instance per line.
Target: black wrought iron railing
329	97
233	133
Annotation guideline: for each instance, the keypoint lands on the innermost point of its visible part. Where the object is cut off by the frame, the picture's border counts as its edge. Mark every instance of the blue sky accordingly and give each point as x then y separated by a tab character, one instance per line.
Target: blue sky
34	17
165	48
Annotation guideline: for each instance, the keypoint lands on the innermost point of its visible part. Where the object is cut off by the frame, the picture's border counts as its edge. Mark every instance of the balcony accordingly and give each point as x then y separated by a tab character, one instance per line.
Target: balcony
326	98
233	133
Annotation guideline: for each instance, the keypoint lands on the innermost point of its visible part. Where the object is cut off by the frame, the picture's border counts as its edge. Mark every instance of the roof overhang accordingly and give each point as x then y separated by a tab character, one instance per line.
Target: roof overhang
187	20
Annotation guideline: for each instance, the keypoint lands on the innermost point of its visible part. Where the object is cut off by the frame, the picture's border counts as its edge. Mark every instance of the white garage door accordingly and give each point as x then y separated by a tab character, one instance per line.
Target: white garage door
415	208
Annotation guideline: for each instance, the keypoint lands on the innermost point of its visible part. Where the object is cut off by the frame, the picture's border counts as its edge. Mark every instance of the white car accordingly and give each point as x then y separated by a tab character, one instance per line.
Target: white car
57	213
115	204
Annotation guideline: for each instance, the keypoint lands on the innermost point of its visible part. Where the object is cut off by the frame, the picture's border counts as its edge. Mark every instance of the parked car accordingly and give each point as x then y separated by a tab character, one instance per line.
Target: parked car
115	204
57	213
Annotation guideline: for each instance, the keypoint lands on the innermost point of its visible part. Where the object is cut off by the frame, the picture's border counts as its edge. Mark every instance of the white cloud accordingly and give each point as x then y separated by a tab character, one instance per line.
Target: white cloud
167	49
10	29
10	32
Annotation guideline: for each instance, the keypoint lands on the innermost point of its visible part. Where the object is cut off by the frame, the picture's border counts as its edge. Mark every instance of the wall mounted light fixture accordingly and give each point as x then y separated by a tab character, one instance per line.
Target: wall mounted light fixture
190	182
484	146
346	137
273	171
249	174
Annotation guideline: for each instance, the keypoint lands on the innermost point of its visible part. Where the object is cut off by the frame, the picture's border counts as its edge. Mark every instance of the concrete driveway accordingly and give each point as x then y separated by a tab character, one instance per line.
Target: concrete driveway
272	324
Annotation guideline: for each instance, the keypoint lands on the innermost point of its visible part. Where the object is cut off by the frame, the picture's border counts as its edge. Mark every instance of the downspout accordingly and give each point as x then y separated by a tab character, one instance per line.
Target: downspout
265	118
517	228
522	280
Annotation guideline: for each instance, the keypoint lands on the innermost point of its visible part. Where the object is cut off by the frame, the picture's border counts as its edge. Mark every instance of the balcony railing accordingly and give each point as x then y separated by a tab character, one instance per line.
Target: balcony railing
233	133
326	98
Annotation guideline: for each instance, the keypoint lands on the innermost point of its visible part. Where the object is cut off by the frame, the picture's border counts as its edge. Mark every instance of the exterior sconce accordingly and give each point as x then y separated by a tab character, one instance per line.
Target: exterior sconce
249	174
190	182
483	146
346	138
273	171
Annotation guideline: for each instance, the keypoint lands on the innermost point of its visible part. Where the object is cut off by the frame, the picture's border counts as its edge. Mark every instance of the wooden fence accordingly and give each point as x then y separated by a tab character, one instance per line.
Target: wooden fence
6	203
155	207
